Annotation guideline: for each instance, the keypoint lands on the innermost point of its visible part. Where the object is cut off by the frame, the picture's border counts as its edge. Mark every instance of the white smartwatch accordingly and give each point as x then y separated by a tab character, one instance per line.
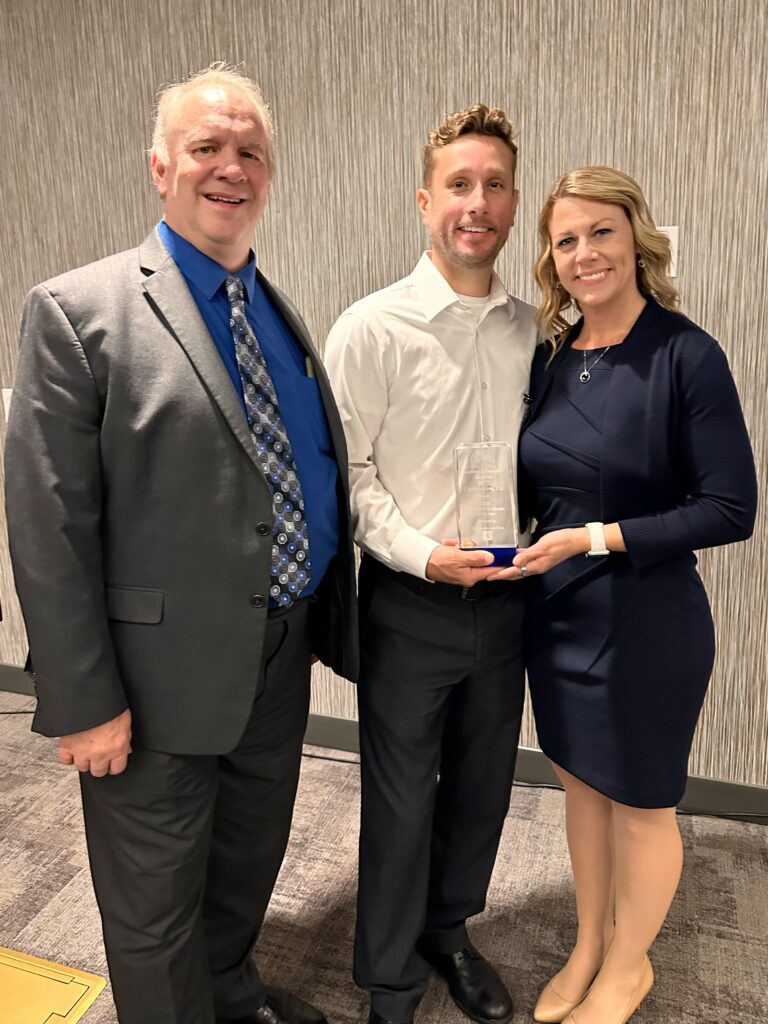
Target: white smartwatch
596	540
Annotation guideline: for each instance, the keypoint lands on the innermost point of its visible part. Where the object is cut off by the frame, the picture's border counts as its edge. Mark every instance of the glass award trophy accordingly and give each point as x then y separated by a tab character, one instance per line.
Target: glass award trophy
486	509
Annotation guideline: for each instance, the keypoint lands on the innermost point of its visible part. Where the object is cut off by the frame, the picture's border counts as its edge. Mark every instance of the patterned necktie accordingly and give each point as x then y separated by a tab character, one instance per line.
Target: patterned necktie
290	571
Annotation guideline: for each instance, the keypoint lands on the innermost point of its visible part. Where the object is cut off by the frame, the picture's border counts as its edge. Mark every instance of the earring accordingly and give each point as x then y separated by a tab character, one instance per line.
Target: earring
640	261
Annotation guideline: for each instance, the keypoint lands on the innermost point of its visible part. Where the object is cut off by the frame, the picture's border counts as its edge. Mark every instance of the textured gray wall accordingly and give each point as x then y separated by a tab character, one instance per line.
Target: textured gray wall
672	91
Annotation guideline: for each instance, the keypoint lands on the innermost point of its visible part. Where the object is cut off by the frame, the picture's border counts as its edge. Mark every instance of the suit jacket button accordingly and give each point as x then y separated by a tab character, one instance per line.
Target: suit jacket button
258	600
263	529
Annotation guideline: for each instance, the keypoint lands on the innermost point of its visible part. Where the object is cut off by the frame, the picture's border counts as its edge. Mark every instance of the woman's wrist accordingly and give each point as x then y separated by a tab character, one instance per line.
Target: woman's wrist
582	542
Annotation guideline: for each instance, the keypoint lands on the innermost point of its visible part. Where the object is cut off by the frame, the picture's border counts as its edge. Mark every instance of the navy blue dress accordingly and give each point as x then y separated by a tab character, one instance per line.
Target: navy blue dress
618	658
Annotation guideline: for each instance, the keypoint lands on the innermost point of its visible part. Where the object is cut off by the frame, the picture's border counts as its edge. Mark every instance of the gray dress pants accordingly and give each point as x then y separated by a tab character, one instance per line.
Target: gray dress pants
185	850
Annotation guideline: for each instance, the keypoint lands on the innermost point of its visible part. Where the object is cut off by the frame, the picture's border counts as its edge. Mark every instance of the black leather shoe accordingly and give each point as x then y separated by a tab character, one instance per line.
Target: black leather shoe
475	986
281	1007
376	1018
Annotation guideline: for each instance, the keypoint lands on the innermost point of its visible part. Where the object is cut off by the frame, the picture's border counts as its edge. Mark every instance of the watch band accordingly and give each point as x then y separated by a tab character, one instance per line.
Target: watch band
596	540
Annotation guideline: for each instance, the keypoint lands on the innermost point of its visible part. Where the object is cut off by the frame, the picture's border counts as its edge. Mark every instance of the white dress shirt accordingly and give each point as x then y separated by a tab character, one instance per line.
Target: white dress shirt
416	371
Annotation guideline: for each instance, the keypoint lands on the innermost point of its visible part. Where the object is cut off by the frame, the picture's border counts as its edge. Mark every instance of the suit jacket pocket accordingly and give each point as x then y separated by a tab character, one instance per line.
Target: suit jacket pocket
135	604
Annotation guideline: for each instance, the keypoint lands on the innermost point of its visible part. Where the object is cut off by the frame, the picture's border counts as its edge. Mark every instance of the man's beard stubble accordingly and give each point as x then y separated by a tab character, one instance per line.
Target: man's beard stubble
471	261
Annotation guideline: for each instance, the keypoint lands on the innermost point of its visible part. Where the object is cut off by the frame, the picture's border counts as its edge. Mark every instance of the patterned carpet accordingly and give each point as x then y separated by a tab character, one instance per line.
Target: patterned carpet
711	959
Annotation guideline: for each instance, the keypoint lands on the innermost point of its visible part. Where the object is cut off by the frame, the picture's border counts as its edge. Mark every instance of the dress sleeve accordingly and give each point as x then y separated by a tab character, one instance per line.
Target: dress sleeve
717	469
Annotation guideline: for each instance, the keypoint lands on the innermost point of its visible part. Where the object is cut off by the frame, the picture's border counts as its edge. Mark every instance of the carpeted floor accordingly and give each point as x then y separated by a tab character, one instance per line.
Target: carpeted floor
711	959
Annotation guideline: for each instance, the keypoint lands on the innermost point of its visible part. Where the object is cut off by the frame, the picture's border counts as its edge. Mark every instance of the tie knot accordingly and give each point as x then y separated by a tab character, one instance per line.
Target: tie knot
234	286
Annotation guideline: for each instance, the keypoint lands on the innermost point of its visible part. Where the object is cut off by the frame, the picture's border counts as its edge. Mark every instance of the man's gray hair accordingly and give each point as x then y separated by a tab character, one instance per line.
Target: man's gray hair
219	75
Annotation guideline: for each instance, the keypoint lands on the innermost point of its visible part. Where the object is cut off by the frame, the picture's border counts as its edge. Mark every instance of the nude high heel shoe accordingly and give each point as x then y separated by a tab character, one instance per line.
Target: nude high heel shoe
644	986
551	1008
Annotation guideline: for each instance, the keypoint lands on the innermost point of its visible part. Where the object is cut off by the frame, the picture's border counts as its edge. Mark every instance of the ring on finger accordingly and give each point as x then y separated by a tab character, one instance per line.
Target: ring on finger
523	569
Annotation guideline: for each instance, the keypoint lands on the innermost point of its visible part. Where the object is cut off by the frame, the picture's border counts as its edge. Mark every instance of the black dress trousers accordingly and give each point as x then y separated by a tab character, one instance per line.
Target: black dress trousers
185	850
440	695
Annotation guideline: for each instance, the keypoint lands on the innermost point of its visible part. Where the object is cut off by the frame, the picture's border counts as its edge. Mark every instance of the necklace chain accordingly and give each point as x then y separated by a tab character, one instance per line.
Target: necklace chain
585	374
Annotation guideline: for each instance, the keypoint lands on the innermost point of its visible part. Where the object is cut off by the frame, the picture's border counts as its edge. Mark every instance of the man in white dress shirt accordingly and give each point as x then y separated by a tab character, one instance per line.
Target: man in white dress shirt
436	360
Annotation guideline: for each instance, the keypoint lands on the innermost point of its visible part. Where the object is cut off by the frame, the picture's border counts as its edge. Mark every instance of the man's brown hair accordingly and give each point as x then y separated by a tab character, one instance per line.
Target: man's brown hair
475	120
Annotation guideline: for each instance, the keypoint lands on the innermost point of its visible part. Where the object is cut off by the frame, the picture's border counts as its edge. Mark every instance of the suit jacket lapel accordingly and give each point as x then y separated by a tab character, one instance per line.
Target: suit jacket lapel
175	306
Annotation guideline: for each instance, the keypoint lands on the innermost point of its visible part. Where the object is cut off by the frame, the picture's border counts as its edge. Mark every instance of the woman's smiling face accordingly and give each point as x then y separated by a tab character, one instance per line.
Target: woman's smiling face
594	252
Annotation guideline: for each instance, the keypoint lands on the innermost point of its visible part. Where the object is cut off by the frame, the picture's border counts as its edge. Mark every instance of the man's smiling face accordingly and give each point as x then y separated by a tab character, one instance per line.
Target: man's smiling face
470	203
216	180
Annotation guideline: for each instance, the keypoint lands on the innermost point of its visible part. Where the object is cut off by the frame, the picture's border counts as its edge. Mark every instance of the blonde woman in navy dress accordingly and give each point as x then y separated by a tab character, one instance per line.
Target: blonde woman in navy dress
635	455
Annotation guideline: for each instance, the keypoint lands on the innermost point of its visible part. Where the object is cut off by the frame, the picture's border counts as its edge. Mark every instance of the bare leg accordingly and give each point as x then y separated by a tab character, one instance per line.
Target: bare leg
648	862
589	831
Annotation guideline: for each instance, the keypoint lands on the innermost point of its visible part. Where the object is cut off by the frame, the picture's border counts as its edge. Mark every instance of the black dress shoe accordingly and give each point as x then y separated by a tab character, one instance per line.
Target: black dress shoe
376	1018
475	986
281	1007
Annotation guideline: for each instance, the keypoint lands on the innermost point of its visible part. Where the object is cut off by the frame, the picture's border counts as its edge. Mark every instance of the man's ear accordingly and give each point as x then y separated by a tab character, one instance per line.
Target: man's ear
159	169
423	198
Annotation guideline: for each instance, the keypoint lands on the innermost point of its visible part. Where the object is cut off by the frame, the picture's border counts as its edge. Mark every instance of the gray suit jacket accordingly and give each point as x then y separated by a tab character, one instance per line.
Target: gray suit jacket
134	500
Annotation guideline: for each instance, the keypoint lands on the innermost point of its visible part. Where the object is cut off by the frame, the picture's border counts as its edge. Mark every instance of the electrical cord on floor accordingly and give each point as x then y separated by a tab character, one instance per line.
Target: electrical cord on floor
729	815
337	760
734	816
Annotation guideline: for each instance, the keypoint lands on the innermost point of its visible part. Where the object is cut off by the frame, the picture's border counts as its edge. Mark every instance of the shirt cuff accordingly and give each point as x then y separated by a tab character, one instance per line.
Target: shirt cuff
411	551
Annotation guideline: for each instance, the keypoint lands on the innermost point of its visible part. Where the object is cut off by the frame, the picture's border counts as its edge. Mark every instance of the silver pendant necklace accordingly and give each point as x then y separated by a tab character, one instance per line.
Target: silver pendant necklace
585	374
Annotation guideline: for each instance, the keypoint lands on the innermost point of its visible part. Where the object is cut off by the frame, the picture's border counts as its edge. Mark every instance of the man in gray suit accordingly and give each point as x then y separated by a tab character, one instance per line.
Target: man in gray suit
177	507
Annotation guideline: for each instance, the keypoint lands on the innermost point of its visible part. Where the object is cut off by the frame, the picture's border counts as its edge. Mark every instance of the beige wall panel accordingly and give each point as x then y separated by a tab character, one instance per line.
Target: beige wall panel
673	91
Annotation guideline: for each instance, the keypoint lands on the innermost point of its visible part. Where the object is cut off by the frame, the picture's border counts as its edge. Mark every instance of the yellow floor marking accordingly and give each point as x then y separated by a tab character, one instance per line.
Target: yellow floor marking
35	991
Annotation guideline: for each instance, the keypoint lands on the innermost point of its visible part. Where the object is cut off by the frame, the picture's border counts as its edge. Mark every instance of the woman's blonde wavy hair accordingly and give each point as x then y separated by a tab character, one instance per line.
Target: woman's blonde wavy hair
605	185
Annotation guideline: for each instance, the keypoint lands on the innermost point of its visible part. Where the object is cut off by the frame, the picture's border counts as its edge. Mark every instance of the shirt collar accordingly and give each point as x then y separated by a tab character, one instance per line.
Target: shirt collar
435	294
206	274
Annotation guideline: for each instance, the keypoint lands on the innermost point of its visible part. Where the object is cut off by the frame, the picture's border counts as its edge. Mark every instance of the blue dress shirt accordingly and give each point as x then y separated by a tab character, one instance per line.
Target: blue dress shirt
298	394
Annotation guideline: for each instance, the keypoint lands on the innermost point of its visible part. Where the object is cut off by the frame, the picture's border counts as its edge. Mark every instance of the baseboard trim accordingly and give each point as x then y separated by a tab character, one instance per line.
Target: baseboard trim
15	680
702	796
335	733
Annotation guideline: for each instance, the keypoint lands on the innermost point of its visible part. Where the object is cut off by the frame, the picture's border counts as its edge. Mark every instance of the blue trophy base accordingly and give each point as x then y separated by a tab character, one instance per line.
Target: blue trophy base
501	556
